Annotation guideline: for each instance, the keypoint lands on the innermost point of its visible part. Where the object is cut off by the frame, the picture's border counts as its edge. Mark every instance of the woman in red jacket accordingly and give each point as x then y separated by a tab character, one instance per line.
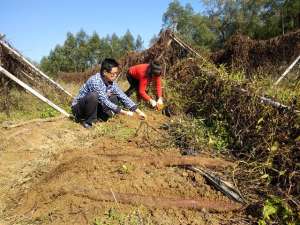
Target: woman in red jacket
139	76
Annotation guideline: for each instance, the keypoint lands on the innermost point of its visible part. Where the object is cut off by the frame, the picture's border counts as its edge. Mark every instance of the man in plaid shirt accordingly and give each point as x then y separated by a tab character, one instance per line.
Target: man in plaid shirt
100	95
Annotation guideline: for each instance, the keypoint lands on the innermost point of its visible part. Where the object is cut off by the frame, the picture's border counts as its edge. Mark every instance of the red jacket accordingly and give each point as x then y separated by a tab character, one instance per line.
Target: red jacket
139	72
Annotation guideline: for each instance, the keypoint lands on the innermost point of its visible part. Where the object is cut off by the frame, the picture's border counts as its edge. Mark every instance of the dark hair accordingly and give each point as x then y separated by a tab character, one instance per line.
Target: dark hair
107	64
154	68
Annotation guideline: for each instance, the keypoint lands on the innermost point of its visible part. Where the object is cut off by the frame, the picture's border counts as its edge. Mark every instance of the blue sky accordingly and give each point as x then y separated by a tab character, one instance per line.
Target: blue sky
34	27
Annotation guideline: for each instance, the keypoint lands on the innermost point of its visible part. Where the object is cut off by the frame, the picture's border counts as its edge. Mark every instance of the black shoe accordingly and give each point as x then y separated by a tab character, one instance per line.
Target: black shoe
87	125
109	113
105	116
76	119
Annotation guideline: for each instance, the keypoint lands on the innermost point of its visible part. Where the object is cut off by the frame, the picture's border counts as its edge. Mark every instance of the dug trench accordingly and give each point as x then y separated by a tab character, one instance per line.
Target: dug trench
56	172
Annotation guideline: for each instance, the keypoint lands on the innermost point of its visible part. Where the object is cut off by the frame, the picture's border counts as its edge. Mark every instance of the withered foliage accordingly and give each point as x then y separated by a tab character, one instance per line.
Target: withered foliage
243	53
264	137
24	72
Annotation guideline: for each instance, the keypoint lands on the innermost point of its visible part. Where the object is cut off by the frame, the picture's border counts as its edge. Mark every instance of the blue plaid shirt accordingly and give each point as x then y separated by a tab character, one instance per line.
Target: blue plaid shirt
96	84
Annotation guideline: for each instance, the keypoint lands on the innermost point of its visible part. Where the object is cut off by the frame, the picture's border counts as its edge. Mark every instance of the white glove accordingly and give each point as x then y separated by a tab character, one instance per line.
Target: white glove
152	103
160	101
129	113
141	114
160	104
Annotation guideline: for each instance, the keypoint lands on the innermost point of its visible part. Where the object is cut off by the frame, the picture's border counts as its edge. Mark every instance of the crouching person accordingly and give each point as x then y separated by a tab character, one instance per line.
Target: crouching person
99	97
139	76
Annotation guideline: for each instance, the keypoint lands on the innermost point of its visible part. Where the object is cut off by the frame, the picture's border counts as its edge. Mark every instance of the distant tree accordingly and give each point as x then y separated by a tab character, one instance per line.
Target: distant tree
56	61
138	46
105	49
178	17
153	40
261	19
189	24
116	47
82	39
71	52
93	50
45	65
291	12
225	18
127	42
280	16
82	51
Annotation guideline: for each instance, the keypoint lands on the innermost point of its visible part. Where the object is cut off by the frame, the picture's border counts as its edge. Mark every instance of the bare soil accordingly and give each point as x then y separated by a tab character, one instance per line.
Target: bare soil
57	172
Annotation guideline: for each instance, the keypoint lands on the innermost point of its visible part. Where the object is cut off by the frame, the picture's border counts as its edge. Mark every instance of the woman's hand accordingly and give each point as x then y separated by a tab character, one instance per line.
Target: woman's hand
159	104
153	103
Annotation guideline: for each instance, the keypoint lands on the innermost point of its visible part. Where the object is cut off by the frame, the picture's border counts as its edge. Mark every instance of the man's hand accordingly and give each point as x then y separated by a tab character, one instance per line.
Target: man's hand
152	103
142	115
127	113
160	104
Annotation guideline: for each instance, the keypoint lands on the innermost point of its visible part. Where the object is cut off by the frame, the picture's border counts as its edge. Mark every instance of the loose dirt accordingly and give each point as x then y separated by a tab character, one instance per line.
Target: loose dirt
57	172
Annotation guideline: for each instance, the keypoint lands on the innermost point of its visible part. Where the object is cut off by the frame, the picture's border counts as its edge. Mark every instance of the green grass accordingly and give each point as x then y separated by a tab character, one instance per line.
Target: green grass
25	106
116	217
276	211
114	129
285	92
197	134
126	168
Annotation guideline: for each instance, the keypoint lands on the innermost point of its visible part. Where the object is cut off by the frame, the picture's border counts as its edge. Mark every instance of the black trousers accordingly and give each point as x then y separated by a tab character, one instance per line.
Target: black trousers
134	85
88	109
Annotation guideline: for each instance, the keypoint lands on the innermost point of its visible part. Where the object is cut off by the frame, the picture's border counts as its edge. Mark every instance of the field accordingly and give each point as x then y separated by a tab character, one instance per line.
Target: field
237	127
56	172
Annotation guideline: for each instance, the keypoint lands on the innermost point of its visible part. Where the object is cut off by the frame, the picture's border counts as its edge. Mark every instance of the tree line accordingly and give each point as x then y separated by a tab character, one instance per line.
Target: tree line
210	29
258	19
81	51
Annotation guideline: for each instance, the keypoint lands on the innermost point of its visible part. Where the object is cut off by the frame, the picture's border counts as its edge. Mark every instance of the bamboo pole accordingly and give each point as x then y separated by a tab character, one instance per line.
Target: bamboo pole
287	70
22	58
186	46
269	101
225	187
32	91
26	75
